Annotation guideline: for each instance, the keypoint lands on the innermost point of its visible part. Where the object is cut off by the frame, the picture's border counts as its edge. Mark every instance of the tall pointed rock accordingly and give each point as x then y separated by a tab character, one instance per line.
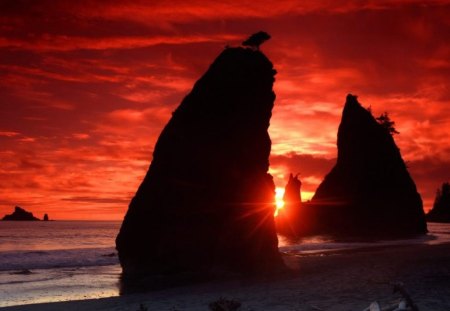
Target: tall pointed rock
369	191
207	201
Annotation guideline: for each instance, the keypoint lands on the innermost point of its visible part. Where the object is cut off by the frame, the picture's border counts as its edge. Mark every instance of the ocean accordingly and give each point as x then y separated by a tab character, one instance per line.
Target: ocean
57	261
71	260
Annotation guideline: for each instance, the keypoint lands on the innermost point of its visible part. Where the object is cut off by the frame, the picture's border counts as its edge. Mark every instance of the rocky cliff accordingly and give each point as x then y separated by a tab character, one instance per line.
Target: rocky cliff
206	202
20	214
369	191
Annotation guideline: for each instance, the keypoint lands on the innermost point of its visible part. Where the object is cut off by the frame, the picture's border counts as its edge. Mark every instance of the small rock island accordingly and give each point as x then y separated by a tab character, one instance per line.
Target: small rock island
21	215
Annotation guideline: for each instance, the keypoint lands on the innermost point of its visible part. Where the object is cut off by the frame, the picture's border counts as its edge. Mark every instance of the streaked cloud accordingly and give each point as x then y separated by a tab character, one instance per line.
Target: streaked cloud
87	87
65	43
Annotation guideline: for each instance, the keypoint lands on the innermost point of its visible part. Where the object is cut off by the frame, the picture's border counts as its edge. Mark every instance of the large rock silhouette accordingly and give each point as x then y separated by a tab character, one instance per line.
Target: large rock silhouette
369	191
207	201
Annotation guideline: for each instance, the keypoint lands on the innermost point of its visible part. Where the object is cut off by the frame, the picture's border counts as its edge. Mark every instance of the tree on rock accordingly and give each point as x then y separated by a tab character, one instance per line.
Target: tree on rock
387	123
256	39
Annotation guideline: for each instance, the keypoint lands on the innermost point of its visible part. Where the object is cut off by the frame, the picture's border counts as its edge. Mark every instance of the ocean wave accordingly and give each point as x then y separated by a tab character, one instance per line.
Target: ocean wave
10	281
28	260
324	246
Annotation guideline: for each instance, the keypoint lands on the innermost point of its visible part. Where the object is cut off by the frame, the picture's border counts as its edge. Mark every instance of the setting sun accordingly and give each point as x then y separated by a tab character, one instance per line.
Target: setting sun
279	202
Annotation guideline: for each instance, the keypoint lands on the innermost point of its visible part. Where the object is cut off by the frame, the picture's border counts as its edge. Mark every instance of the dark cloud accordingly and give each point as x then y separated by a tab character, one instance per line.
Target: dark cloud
305	164
95	200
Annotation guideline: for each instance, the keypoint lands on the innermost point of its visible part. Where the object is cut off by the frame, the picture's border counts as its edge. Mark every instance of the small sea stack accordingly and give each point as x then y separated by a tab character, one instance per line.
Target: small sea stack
46	217
369	191
20	214
441	207
287	219
207	201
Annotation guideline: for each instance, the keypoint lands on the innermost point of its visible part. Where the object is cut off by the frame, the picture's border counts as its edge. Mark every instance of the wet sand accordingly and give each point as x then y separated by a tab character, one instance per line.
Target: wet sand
348	280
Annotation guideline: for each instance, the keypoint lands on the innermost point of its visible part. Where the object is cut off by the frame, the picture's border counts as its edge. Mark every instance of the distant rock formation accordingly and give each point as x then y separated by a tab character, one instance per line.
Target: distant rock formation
441	207
292	191
207	201
287	221
369	191
45	217
20	214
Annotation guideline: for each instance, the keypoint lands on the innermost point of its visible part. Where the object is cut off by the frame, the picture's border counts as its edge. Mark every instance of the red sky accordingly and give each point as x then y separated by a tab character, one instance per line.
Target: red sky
87	86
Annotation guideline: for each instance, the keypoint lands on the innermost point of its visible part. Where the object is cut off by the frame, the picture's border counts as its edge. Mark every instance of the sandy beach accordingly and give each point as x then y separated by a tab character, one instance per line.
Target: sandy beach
348	280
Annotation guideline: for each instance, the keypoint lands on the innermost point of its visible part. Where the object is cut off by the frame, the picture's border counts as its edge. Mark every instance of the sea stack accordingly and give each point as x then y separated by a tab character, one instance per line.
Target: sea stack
287	221
20	214
45	217
369	191
207	201
441	207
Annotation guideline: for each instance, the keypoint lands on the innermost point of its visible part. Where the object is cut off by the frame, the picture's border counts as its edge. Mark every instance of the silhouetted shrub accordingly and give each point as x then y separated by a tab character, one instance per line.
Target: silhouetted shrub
387	123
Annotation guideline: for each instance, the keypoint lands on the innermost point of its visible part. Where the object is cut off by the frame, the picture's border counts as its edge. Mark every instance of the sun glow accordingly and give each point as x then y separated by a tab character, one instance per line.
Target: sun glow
279	203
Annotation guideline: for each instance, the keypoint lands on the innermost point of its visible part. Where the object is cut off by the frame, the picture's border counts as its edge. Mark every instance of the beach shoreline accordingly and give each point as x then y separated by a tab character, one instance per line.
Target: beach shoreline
348	280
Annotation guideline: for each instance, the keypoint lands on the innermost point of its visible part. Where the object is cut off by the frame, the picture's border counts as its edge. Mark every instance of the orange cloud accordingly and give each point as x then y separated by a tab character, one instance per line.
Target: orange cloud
57	43
88	86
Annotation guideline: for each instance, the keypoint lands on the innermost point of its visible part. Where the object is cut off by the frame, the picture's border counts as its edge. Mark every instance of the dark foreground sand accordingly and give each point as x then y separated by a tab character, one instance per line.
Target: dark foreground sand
339	281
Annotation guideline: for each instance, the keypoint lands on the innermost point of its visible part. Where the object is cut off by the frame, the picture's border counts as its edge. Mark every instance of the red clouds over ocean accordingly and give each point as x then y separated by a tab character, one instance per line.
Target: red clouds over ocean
87	86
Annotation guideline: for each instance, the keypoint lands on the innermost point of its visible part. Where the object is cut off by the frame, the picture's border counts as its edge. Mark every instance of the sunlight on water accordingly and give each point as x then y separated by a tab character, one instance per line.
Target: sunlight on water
312	240
57	261
51	285
438	234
